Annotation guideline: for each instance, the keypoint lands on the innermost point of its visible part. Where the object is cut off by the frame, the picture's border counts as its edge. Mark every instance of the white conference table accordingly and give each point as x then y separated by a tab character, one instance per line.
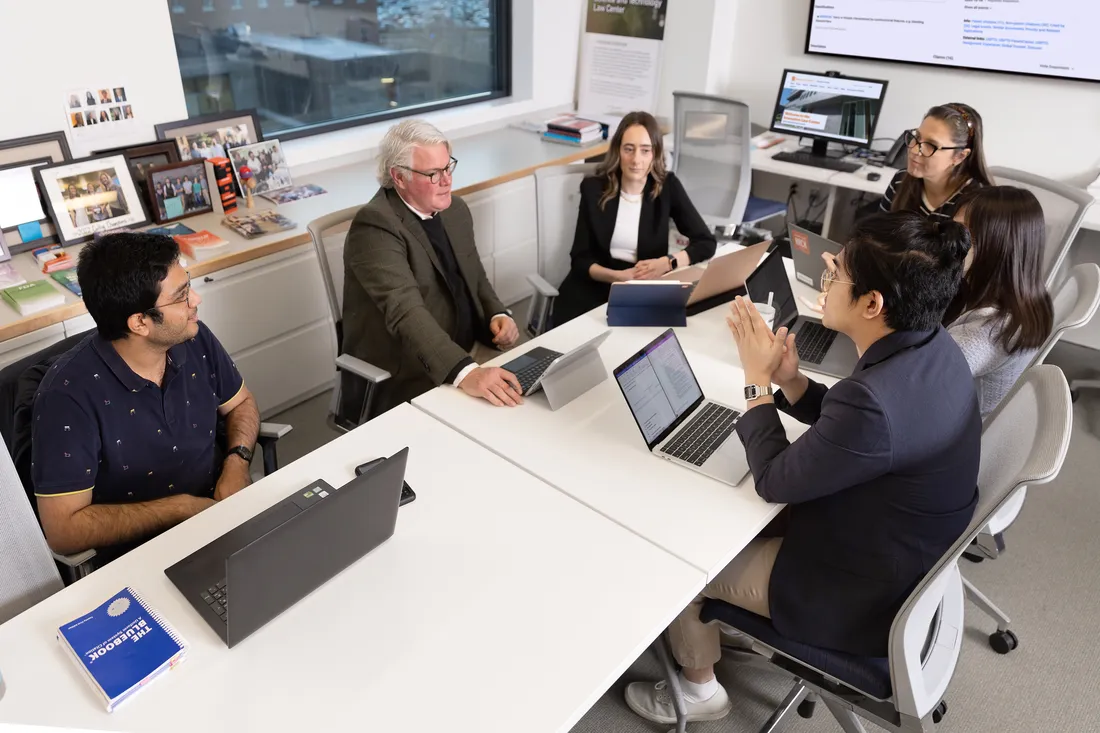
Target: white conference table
499	604
592	449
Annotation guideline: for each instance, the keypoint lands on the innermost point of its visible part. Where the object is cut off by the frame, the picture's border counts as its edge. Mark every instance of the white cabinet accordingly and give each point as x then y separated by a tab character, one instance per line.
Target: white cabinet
271	316
506	230
80	324
28	344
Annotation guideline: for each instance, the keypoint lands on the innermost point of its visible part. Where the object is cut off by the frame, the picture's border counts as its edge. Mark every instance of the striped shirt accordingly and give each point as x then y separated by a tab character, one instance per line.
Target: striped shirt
946	210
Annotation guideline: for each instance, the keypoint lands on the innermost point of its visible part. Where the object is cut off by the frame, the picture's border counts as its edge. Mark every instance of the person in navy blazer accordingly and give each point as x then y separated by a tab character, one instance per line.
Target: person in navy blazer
623	223
882	483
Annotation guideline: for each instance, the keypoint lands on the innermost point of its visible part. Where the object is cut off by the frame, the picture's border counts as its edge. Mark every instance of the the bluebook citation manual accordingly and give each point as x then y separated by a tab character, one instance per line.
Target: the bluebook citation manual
122	646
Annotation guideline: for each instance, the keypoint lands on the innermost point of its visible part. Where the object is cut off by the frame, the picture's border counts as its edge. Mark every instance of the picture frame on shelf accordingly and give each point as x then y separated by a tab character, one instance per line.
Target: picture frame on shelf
91	195
212	136
144	156
265	160
21	201
53	146
172	192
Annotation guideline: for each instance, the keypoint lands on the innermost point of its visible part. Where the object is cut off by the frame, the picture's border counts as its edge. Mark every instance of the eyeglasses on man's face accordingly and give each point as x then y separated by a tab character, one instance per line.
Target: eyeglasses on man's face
434	175
924	148
828	277
184	297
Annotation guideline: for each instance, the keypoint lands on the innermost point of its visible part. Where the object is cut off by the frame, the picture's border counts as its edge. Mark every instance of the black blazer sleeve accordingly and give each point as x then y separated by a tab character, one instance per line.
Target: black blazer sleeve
848	444
808	409
583	254
701	244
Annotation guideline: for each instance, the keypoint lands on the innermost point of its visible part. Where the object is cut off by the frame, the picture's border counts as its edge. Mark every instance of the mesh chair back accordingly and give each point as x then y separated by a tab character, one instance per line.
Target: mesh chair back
27	570
557	190
1074	304
328	234
712	156
1064	209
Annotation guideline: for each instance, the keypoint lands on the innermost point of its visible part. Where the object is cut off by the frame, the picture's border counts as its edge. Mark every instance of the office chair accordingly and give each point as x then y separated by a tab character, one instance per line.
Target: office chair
1074	305
712	157
356	380
18	384
27	570
1064	209
1025	443
558	195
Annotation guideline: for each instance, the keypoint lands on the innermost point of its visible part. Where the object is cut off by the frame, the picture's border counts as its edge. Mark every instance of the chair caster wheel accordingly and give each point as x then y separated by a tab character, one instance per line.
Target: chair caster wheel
806	708
972	557
939	712
1003	641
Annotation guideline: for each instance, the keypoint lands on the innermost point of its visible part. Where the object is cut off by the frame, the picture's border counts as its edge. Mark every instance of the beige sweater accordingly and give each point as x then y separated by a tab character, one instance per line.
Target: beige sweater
995	371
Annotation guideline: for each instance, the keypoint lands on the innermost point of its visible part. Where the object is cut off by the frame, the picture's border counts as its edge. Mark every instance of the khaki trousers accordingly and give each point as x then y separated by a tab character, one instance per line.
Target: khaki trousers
744	583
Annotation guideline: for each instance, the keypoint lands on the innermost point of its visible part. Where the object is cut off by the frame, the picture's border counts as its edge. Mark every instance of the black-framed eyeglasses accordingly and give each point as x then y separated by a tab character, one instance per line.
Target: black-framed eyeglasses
183	299
434	176
925	148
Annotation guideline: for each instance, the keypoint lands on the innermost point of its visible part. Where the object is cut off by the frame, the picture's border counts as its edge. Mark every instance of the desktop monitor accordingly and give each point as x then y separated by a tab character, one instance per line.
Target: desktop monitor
828	108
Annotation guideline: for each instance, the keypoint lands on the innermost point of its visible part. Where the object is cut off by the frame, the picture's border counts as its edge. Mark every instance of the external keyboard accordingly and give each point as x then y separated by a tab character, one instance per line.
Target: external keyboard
702	435
528	376
813	342
217	598
801	158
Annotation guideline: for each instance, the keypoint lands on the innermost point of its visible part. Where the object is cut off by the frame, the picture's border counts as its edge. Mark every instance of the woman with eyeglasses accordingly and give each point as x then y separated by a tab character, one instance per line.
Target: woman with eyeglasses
1002	313
946	159
623	224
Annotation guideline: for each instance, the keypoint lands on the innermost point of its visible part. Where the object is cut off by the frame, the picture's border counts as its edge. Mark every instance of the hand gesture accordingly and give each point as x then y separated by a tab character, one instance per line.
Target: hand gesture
504	330
499	386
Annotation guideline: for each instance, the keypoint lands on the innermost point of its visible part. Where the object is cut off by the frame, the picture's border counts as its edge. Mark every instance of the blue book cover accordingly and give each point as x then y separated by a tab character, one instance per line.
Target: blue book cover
121	646
171	230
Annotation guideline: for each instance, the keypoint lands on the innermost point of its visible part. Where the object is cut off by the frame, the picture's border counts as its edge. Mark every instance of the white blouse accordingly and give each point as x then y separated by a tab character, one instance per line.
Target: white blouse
624	240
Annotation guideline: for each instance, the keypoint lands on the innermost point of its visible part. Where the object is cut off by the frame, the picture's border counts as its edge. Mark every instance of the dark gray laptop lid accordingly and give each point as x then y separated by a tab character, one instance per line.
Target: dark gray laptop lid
274	572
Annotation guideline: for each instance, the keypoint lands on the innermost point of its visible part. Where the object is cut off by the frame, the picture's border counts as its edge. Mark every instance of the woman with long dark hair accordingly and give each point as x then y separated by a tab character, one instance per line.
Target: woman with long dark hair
623	224
946	160
1002	314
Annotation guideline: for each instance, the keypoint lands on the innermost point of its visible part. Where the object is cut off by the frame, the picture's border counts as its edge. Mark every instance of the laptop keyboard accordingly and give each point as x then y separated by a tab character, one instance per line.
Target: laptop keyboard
528	376
813	342
702	435
216	596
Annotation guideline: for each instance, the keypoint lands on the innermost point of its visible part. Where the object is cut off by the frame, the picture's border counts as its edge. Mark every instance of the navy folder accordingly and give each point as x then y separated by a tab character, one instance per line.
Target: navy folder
657	303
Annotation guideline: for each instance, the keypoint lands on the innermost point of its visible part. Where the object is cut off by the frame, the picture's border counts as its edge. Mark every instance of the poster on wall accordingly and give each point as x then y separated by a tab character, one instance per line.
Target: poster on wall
620	55
98	118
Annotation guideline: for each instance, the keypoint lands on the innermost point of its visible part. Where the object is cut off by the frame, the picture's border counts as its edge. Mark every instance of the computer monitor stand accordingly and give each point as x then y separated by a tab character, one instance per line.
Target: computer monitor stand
820	149
573	380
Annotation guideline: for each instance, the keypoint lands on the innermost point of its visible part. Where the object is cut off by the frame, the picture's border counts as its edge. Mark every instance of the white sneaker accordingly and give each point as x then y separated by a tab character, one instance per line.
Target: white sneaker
654	702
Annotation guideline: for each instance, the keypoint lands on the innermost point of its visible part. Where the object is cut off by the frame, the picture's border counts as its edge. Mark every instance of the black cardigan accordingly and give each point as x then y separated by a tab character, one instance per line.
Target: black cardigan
579	293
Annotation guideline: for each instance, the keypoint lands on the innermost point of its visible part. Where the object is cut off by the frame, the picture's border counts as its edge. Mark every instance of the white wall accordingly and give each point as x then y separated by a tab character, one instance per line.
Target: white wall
81	48
51	46
1047	126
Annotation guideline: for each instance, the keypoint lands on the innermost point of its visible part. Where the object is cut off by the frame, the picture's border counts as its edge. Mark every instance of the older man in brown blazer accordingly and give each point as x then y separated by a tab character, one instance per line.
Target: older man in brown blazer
417	302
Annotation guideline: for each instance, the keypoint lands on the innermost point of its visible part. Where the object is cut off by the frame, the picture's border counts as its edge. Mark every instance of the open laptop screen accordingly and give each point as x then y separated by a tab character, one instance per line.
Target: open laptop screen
659	386
771	277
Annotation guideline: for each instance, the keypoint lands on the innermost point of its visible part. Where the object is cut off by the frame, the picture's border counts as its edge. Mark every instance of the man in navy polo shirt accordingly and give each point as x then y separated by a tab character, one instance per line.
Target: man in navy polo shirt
124	426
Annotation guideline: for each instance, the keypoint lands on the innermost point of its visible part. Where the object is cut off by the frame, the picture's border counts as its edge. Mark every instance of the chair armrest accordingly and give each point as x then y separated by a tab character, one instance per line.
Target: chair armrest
274	430
361	368
542	287
75	560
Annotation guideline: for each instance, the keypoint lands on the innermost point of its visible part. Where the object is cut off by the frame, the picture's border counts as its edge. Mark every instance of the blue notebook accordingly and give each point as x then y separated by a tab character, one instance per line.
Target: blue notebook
649	303
122	646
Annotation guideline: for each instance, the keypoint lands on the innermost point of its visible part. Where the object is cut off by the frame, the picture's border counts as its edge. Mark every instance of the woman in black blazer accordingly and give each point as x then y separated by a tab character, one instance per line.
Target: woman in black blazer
622	228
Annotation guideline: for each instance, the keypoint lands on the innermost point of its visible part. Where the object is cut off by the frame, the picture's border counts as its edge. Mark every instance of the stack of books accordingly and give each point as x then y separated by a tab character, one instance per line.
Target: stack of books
572	130
53	258
33	297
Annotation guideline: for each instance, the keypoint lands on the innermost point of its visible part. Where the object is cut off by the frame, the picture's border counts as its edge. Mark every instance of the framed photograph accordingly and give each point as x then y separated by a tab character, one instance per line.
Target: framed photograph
90	195
178	190
144	156
52	146
212	136
268	170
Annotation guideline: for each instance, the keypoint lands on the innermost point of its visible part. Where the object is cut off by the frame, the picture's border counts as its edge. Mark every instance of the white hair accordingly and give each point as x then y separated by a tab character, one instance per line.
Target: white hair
398	143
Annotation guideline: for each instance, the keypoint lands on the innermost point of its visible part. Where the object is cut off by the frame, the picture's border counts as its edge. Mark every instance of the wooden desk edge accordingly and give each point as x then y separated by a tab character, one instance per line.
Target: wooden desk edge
205	267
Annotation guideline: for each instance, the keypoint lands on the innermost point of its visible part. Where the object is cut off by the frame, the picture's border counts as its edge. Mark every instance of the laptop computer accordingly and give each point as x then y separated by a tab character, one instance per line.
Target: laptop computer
538	363
284	553
820	349
806	250
677	422
722	280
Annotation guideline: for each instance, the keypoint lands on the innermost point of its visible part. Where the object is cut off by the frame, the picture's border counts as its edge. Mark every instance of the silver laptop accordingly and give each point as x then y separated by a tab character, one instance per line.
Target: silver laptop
678	423
806	250
820	349
540	362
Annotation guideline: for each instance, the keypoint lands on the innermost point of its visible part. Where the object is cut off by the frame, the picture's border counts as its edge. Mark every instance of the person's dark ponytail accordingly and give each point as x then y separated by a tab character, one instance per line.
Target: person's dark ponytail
954	239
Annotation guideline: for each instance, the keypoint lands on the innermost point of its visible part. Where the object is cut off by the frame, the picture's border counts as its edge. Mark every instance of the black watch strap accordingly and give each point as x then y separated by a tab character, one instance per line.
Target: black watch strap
673	263
240	450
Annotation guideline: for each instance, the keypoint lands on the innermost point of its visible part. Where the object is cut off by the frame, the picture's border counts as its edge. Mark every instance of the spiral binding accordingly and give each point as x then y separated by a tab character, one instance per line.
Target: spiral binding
155	616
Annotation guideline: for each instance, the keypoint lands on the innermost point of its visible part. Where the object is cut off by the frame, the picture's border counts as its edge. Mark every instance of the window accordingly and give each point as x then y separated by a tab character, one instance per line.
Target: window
310	66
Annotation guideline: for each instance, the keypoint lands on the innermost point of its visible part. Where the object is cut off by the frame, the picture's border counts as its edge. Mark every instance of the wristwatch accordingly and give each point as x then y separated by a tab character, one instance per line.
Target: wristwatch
755	392
672	263
241	451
